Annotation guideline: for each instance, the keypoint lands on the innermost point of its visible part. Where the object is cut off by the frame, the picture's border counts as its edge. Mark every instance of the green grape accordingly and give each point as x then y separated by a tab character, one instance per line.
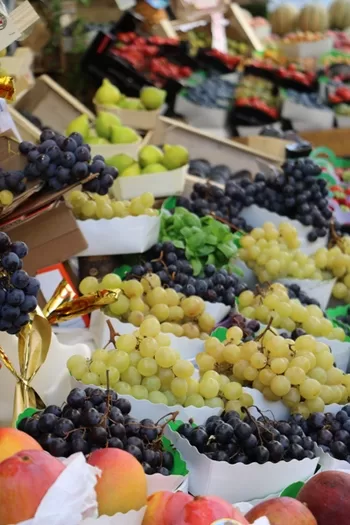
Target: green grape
258	360
171	399
126	343
325	359
121	306
246	400
79	370
315	405
134	357
89	378
334	376
120	360
131	376
136	318
215	402
166	376
319	374
156	296
172	299
136	207
88	285
310	389
183	369
147	199
280	386
6	197
165	357
193	386
104	210
152	383
150	328
147	367
89	209
296	375
111	281
150	281
195	400
137	304
100	355
76	360
132	288
98	367
179	387
163	339
148	347
160	311
113	375
157	397
139	392
119	209
122	388
209	387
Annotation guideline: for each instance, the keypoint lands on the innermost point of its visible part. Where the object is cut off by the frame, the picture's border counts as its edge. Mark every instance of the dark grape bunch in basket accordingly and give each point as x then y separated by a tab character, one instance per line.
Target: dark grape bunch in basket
60	161
93	419
249	327
295	292
18	291
173	269
331	432
228	438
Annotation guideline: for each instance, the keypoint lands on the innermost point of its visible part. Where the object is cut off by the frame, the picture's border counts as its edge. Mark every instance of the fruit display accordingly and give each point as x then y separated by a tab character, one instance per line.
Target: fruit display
175	271
284	19
342	110
145	367
303	37
341	95
151	98
313	18
293	73
233	440
295	292
300	372
212	93
107	129
309	100
257	94
151	159
341	195
203	169
282	510
229	60
145	300
88	205
18	291
339	14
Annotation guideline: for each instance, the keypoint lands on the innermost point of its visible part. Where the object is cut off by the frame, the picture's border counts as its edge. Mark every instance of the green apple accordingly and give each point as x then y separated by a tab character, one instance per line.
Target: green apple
104	122
175	156
150	155
152	97
154	168
79	125
121	162
132	170
107	93
123	135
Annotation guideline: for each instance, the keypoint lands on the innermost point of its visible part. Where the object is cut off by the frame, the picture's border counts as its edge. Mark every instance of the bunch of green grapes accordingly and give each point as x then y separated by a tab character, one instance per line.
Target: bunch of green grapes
272	253
300	373
139	300
144	365
336	261
273	304
88	205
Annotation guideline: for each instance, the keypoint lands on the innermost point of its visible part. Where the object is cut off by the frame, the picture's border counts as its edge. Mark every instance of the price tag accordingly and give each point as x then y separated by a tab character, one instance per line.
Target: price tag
6	121
9	33
24	16
218	32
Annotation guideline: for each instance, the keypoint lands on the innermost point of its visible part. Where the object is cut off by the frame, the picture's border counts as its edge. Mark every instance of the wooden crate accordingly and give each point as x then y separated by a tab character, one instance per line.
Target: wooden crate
335	139
52	104
266	145
203	145
25	128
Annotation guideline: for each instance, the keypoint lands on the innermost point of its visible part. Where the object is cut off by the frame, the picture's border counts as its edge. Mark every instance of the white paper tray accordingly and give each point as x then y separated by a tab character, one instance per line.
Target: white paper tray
133	118
314	118
307	49
237	483
200	116
256	216
321	291
188	348
342	121
160	184
120	235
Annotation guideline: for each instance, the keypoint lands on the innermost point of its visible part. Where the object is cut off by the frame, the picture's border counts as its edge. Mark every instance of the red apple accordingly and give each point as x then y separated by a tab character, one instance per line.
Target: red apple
123	483
25	478
163	507
205	510
13	441
282	511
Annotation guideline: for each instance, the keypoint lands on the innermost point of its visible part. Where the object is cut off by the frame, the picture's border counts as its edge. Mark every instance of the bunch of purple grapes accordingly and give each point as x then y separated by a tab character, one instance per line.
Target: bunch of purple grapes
18	291
13	181
61	161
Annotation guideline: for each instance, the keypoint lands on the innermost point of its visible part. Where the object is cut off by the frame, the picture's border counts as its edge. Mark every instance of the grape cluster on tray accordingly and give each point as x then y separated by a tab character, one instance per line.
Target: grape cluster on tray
331	432
60	161
175	271
231	439
11	183
18	291
93	419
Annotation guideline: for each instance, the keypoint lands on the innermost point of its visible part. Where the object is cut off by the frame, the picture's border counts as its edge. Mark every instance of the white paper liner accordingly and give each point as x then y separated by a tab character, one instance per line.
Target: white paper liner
217	310
307	49
188	348
316	118
340	350
109	150
133	118
133	517
119	236
200	116
256	217
160	184
221	479
155	411
321	291
343	121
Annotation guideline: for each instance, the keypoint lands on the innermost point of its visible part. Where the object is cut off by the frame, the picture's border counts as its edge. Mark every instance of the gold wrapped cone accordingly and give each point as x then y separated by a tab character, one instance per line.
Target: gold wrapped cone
33	346
63	294
7	88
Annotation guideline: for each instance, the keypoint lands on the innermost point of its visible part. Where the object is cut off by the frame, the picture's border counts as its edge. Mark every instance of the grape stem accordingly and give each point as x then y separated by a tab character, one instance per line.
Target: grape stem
112	334
224	221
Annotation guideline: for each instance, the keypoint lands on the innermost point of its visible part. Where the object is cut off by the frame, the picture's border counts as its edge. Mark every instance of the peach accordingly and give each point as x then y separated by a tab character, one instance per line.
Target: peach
206	510
122	485
282	511
13	441
163	506
25	478
327	497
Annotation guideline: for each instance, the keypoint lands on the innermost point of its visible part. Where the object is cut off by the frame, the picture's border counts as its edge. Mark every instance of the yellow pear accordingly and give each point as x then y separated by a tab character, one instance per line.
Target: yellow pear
152	97
131	171
121	162
79	125
107	93
150	155
123	135
175	156
154	168
104	122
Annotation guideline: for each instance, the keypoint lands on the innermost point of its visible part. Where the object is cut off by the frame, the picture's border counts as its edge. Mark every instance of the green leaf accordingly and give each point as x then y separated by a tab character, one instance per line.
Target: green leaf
197	266
189	253
169	203
186	232
179	244
219	333
179	467
192	220
28	412
122	271
205	250
211	239
227	250
211	259
196	240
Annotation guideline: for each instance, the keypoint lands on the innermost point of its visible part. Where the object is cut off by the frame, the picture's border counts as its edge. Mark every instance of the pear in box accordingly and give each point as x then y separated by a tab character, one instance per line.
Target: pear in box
175	157
150	155
121	162
107	93
131	103
123	135
96	140
79	125
104	122
132	170
154	168
152	98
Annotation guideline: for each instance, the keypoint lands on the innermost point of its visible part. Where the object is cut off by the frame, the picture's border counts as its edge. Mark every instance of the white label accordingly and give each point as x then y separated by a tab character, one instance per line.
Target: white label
218	33
124	5
9	33
6	122
24	16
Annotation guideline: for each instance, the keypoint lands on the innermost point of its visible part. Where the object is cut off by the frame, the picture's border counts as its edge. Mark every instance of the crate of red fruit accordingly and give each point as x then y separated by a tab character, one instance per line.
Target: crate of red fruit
294	78
257	107
215	59
260	68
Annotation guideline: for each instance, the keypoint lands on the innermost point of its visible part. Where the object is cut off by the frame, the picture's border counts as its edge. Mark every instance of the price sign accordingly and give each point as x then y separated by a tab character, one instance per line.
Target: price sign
218	32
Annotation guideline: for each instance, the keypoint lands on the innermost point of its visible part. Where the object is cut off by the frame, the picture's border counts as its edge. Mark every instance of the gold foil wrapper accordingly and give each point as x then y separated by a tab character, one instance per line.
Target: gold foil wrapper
63	294
82	305
33	346
7	88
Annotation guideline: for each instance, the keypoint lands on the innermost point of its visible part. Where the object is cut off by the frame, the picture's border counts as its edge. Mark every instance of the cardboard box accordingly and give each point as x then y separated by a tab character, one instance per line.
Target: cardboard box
335	139
51	233
266	145
26	130
52	104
